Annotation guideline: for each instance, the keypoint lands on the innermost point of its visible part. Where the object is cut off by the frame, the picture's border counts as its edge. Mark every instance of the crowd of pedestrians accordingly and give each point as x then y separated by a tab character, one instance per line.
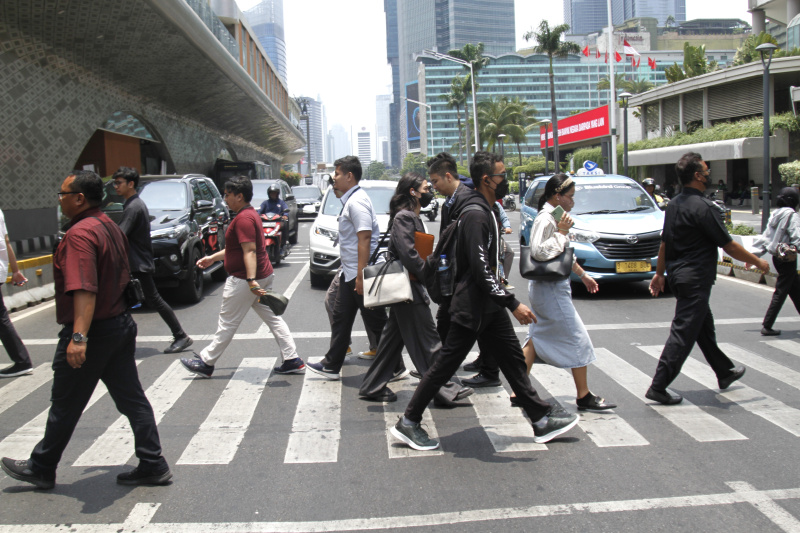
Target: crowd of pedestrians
96	259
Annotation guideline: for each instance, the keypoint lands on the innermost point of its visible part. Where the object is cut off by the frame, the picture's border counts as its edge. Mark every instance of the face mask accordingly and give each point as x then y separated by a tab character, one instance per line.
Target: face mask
501	190
425	199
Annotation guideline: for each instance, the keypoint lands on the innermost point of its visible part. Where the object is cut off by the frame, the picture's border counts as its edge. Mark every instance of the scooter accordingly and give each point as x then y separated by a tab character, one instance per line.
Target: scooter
431	211
272	223
509	202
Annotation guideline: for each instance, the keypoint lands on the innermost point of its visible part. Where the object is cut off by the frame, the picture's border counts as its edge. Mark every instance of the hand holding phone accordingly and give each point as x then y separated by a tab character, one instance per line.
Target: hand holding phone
558	212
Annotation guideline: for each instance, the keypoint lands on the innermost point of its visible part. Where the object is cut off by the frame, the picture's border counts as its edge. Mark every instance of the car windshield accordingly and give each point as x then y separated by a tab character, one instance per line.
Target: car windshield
605	198
380	197
156	195
260	192
306	193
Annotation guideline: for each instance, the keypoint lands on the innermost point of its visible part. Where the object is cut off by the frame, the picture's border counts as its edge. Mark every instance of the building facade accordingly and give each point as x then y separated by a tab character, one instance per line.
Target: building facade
383	104
365	148
315	149
585	16
266	19
661	10
340	142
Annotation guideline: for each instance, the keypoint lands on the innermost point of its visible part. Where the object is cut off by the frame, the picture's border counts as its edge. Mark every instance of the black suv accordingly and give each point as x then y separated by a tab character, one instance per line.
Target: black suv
188	219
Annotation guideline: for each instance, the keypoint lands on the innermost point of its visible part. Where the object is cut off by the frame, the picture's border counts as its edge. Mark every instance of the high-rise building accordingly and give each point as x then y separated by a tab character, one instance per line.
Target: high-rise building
393	58
316	120
623	10
364	147
490	22
586	16
383	103
266	18
340	143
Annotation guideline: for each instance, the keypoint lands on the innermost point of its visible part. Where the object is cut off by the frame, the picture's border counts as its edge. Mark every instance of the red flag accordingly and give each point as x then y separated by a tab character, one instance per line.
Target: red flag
598	54
586	51
638	62
617	57
628	49
633	62
606	57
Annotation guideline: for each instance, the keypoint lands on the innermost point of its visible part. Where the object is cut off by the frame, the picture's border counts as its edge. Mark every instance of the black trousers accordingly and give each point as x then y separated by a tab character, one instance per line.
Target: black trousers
110	358
693	322
346	305
154	300
488	366
788	284
502	343
10	338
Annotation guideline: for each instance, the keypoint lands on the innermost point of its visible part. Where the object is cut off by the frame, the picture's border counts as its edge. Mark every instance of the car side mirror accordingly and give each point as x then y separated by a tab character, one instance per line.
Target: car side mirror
204	205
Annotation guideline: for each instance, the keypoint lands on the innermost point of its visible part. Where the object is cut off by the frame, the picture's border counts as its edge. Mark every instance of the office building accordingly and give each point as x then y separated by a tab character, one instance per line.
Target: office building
266	19
364	147
315	151
383	104
585	16
661	10
340	143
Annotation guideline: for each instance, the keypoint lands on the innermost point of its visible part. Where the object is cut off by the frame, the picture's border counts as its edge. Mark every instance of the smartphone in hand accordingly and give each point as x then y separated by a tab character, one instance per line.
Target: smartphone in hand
558	212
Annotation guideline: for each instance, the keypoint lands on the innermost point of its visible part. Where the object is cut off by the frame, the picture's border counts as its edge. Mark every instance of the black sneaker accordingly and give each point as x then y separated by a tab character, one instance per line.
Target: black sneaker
769	332
328	373
556	425
197	366
137	476
17	369
415	374
414	436
21	471
474	366
736	373
479	380
179	344
291	366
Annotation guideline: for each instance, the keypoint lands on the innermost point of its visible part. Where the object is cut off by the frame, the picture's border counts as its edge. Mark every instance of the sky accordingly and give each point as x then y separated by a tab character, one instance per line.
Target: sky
336	50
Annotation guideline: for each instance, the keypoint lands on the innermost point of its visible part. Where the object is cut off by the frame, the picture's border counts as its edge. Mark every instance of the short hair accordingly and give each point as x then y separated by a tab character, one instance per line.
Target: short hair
482	164
687	165
441	164
128	174
240	185
349	163
89	184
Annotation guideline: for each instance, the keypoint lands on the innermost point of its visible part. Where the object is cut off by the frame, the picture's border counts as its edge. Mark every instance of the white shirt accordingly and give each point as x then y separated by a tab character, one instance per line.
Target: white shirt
3	249
546	242
357	215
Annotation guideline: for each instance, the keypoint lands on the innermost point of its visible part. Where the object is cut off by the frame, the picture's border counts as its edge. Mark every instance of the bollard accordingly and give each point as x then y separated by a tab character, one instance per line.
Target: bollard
728	216
754	200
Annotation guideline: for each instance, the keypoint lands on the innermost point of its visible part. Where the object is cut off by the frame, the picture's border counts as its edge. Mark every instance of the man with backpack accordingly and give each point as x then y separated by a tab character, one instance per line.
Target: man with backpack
478	311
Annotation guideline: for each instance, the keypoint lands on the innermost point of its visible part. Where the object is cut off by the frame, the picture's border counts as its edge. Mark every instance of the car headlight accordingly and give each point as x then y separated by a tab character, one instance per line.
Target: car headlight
582	235
169	233
325	232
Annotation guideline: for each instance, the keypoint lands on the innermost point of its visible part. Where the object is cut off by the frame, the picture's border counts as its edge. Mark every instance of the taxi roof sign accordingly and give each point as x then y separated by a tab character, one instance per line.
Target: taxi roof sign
590	168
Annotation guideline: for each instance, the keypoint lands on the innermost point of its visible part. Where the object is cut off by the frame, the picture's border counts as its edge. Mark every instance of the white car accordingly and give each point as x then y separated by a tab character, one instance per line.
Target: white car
323	248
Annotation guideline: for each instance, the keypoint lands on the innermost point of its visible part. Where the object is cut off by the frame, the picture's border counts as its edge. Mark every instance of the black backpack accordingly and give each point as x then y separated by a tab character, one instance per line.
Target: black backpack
447	247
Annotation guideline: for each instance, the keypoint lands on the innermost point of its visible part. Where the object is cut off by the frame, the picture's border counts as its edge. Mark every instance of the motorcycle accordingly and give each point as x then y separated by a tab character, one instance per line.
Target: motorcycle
509	202
431	210
272	223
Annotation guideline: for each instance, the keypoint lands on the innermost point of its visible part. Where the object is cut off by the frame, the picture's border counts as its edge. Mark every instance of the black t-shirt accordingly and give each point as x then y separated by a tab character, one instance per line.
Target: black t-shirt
135	223
693	230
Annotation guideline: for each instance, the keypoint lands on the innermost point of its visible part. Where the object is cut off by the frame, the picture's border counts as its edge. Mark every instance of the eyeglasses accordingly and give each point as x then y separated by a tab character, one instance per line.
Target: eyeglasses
62	194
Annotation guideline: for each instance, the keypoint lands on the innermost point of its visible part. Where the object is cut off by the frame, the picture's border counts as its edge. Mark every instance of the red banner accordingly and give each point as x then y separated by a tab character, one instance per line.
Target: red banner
586	125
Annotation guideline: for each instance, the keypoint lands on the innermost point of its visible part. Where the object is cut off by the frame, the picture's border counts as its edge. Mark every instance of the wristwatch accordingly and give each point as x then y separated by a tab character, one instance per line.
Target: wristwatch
250	279
79	337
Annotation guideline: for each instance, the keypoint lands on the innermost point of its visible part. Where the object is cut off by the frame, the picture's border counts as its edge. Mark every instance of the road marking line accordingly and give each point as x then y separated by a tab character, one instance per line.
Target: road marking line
762	364
18	388
115	446
748	283
263	329
316	428
142	510
605	429
223	430
392	411
686	416
37	309
767	506
791	347
749	399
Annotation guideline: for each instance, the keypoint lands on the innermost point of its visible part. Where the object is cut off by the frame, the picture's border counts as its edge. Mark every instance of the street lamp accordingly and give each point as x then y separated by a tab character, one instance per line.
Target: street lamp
430	122
766	50
546	122
304	116
624	96
439	55
501	137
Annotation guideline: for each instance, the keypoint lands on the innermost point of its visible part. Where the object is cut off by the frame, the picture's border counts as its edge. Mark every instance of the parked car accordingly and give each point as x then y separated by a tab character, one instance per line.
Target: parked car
188	219
260	194
617	231
308	198
323	248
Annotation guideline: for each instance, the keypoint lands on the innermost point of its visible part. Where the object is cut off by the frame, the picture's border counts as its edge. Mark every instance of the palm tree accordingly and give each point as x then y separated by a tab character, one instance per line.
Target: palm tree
473	53
548	42
456	98
619	83
638	86
514	118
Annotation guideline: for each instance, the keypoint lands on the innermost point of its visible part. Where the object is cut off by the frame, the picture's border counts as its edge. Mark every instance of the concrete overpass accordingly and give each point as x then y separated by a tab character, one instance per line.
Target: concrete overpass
782	11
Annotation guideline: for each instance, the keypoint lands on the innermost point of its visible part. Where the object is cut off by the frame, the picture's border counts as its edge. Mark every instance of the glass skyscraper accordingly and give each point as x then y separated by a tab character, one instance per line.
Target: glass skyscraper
586	16
623	10
266	19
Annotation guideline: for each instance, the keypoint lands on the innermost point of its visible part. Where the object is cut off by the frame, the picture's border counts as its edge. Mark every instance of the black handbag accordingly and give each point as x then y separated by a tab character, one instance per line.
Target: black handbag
556	269
134	293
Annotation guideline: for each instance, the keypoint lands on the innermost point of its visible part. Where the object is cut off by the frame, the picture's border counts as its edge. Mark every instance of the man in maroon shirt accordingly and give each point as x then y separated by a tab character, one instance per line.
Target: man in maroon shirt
250	277
97	341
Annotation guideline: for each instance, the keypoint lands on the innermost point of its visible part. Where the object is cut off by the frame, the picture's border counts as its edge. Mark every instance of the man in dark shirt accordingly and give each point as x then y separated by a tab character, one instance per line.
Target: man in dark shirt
135	223
693	230
97	341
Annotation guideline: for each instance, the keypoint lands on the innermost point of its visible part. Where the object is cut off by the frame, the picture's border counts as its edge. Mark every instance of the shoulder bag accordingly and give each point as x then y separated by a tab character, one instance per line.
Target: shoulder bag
556	269
386	283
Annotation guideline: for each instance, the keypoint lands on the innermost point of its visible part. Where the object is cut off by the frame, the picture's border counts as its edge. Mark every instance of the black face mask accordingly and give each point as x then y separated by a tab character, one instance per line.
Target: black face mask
425	199
501	190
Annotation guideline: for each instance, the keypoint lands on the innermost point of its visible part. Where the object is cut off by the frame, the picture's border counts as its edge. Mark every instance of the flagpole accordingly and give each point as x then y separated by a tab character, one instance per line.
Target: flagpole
612	104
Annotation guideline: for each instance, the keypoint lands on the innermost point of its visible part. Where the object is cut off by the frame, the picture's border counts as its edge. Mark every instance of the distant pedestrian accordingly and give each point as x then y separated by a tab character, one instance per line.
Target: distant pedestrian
693	230
358	238
782	240
135	223
250	276
8	334
479	309
97	341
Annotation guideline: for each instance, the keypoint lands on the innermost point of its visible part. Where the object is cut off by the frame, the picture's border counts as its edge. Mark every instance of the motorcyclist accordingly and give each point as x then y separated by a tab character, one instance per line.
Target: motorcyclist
274	204
649	185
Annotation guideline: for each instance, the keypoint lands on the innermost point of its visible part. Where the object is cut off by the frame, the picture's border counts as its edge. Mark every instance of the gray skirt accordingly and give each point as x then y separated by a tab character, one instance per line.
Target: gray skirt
559	336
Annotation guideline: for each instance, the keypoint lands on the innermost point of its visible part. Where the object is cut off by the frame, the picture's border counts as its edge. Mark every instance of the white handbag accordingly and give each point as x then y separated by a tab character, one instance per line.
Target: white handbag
386	283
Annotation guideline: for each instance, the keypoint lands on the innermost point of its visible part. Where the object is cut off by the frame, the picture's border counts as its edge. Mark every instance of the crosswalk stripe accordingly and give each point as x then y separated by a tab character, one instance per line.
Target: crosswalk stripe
263	329
508	429
316	428
222	431
115	446
689	418
22	441
787	346
392	411
20	387
762	364
749	399
606	428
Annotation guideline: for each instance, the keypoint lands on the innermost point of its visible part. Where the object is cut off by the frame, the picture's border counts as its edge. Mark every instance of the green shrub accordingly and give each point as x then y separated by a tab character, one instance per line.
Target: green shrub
790	172
740	229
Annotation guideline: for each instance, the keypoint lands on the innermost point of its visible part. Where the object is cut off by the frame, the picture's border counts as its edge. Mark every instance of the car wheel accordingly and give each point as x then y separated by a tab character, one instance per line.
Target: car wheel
293	236
319	280
191	288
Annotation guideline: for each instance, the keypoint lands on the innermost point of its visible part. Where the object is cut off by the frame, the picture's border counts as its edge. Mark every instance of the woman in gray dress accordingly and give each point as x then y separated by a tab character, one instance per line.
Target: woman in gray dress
559	337
410	324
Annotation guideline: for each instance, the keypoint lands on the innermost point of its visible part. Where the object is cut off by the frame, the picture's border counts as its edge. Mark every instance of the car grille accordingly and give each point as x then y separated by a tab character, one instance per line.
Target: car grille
617	249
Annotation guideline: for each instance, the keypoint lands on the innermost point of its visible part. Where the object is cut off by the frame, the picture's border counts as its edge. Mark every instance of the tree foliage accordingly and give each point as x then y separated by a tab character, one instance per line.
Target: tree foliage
747	52
473	54
414	163
695	63
457	98
375	170
513	118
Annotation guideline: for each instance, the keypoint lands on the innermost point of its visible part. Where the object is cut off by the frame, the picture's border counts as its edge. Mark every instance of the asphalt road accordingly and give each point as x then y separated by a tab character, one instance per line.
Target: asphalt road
253	451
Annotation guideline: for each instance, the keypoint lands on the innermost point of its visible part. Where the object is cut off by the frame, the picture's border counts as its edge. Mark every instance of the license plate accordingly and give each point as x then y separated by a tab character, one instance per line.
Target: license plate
633	266
309	209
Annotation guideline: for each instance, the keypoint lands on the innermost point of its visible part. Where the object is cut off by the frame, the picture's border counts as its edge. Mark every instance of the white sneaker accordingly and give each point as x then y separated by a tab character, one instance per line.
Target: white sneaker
402	374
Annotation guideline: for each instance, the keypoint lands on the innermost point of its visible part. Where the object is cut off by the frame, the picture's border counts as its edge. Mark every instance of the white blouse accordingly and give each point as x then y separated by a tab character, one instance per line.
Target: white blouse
546	241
